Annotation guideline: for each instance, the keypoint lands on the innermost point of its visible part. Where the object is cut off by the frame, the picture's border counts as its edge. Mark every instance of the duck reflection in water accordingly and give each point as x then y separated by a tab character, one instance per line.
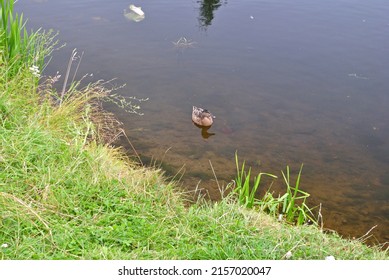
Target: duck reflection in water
204	131
203	119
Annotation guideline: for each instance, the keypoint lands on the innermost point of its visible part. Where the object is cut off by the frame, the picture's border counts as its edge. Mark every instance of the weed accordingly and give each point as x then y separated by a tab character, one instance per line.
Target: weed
246	192
292	204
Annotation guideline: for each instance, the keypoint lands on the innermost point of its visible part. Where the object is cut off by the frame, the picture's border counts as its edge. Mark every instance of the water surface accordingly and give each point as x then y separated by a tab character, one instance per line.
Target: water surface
290	82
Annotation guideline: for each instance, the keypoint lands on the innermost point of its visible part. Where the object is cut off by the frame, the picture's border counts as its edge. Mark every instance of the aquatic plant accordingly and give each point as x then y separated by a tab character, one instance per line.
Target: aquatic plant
293	211
246	192
291	205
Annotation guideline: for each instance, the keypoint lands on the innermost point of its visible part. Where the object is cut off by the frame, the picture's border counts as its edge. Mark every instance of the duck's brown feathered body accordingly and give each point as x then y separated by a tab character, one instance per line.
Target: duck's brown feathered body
202	117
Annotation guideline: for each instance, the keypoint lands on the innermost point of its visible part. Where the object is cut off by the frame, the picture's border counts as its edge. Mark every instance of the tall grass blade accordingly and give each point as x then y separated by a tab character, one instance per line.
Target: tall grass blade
19	48
245	192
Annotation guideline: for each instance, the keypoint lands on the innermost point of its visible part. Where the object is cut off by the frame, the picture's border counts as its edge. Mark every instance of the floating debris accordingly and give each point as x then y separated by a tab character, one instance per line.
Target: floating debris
134	13
137	10
99	19
184	43
355	75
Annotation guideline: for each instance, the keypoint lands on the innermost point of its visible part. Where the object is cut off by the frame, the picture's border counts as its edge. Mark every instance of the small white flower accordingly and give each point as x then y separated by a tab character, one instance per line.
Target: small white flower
280	217
35	71
288	255
5	245
330	258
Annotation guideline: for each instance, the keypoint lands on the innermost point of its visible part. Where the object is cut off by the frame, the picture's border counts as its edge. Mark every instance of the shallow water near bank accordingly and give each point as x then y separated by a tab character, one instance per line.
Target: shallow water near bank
288	83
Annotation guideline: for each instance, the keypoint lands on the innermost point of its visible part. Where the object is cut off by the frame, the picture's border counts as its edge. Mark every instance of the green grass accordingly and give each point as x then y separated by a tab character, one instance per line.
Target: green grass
64	194
18	47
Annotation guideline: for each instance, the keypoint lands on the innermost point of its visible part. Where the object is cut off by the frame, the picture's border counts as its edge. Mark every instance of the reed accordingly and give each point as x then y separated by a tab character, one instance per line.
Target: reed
20	48
11	28
294	205
243	188
291	205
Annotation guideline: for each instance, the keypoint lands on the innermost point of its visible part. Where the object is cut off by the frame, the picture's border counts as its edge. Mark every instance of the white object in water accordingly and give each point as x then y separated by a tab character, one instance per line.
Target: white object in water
133	16
137	10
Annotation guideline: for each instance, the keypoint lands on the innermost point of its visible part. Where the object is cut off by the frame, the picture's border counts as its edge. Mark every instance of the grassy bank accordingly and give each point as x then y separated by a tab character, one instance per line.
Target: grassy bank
64	194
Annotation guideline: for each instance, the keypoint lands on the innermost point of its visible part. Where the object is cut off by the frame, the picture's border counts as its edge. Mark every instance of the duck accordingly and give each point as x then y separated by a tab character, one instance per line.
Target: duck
202	117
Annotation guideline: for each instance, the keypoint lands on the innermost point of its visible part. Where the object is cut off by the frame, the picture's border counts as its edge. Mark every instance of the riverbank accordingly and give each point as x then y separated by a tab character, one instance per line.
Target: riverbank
65	193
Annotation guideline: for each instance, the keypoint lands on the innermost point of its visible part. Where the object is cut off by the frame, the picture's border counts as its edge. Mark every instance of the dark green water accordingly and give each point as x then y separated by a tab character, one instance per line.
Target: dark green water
290	82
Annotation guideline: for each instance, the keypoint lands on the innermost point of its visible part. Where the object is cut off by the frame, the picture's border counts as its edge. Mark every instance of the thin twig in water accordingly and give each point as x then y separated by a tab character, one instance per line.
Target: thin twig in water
133	148
197	187
168	149
320	218
217	181
366	235
178	172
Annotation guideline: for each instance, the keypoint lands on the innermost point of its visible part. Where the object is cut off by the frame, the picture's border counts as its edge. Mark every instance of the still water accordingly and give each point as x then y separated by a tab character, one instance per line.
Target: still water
290	82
